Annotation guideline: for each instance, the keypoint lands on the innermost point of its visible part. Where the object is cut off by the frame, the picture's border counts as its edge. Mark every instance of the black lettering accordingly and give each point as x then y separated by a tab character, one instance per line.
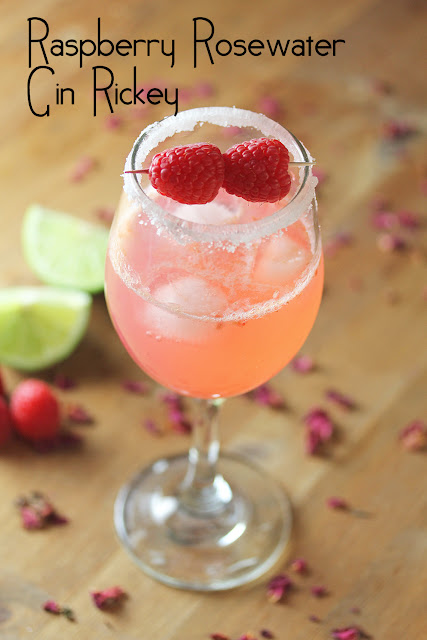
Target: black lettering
72	44
298	44
228	45
171	53
46	113
319	45
175	102
122	100
123	44
240	46
156	93
101	42
39	40
255	44
59	46
309	42
105	89
334	43
86	53
278	45
205	40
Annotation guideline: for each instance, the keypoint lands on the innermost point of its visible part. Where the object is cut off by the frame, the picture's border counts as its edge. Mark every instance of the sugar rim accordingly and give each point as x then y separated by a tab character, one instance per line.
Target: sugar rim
186	231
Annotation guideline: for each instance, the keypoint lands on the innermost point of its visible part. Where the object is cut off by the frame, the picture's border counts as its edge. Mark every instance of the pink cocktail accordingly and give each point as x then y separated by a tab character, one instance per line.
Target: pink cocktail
211	301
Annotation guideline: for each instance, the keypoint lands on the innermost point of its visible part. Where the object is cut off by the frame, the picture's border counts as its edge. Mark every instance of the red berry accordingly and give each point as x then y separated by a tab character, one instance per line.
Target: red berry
5	422
190	174
2	389
35	410
257	170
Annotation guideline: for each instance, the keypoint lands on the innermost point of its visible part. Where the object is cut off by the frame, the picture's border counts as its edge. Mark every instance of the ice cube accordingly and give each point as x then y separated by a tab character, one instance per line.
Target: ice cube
211	213
190	295
281	260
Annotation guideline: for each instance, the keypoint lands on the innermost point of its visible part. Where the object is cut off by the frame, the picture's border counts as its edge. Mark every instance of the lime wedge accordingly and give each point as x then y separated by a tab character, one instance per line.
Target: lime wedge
40	325
63	250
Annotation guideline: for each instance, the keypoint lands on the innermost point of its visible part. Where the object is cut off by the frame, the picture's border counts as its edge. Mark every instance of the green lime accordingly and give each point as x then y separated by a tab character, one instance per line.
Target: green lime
40	325
63	250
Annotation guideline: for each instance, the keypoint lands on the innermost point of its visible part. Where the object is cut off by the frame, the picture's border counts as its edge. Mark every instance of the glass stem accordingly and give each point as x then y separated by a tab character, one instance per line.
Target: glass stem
204	491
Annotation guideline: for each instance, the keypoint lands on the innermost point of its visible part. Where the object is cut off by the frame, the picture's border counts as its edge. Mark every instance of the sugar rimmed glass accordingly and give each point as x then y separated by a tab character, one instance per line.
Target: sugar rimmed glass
211	301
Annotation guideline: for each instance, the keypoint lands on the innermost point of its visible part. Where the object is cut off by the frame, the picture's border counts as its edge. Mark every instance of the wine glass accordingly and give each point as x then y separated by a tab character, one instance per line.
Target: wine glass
210	301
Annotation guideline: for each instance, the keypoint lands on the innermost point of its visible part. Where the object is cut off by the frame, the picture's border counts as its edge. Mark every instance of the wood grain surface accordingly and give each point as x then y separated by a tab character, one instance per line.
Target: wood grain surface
369	340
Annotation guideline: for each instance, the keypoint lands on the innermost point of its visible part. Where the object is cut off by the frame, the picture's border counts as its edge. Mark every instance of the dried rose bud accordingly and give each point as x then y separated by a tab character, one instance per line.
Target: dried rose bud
342	400
270	106
355	610
266	633
337	503
349	633
63	382
37	512
105	214
388	242
408	219
302	364
52	607
108	598
278	587
319	591
319	422
320	174
299	565
340	240
135	386
414	436
384	220
398	130
219	636
314	618
83	166
113	122
267	396
78	415
247	636
152	427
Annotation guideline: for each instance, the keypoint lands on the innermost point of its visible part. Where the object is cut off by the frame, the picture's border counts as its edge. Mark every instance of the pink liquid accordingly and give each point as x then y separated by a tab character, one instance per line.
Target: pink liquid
210	323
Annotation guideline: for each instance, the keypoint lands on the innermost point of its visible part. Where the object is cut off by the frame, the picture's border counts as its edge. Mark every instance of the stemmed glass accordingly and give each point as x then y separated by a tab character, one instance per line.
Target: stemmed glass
211	301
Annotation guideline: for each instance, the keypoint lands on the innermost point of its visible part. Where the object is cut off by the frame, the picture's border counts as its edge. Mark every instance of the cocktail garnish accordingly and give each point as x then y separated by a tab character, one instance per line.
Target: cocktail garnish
255	170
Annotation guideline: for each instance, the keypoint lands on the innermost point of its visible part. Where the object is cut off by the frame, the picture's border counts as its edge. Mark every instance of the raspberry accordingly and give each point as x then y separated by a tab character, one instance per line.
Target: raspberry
2	389
35	410
257	170
5	422
190	174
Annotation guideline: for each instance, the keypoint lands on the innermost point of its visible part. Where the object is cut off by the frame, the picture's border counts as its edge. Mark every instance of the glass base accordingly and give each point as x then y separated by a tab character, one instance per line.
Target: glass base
222	549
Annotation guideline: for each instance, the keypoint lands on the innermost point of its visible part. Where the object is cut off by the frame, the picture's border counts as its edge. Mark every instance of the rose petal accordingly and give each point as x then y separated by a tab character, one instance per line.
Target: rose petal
302	364
319	591
78	415
52	607
266	396
343	401
63	382
388	242
83	166
414	436
408	219
135	386
108	598
278	587
299	565
319	423
335	502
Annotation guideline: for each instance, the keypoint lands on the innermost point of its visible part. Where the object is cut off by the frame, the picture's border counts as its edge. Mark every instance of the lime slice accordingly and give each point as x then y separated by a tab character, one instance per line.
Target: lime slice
40	325
65	251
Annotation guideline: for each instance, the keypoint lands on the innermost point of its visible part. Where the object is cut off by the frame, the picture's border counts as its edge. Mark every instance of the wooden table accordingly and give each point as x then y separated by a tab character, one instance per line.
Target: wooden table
368	342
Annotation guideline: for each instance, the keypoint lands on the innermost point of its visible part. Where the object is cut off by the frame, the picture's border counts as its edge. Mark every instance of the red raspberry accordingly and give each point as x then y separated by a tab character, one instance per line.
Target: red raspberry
2	389
5	422
257	170
190	174
35	410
